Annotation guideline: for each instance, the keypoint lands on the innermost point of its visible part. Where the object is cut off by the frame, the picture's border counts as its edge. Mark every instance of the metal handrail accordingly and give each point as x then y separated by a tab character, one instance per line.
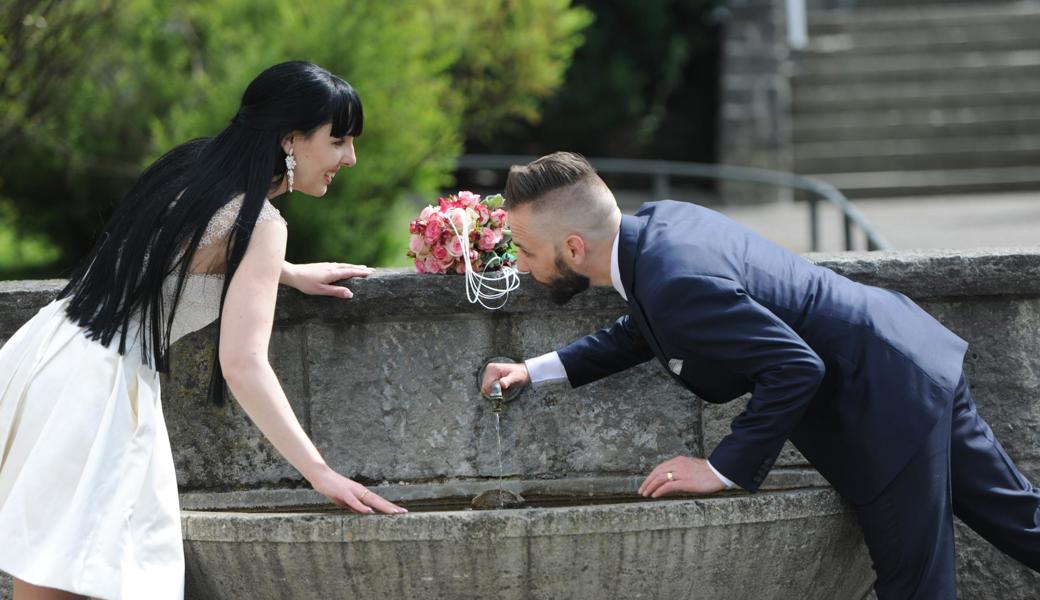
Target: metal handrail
662	171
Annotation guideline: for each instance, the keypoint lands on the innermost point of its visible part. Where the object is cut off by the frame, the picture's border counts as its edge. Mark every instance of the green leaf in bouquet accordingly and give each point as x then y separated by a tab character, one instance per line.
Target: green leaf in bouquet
494	202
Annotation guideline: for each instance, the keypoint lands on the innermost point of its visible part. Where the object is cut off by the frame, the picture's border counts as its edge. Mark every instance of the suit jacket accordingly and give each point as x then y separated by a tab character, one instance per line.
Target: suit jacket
855	376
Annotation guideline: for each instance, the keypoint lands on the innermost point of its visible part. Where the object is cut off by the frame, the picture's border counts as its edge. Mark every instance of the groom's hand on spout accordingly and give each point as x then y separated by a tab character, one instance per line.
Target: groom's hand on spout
508	375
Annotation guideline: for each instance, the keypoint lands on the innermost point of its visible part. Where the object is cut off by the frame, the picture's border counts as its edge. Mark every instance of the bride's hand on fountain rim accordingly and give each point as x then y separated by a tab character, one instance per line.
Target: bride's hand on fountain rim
507	374
689	475
317	279
350	494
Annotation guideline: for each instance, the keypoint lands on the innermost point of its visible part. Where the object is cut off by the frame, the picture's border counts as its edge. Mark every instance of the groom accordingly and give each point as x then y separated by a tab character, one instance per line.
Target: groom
865	383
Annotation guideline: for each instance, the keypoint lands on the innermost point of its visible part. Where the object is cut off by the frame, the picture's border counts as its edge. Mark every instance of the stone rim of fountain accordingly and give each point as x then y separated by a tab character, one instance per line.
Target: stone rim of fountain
221	522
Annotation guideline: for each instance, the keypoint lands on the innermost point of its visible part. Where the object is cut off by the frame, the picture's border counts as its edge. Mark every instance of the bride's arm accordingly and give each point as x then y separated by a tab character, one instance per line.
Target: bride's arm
245	331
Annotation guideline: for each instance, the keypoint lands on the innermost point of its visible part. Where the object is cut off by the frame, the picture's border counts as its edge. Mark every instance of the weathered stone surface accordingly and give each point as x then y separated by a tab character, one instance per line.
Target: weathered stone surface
405	405
218	447
398	400
796	544
942	273
20	300
1002	364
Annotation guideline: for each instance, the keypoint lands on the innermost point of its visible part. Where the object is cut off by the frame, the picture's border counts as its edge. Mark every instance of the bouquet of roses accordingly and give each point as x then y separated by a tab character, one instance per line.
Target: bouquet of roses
437	243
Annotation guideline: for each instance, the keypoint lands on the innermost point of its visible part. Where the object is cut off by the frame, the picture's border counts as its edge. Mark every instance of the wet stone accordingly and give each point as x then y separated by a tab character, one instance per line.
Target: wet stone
496	499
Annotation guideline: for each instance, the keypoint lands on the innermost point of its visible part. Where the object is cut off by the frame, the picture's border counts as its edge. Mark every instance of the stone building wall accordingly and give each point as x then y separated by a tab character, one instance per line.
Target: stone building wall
755	97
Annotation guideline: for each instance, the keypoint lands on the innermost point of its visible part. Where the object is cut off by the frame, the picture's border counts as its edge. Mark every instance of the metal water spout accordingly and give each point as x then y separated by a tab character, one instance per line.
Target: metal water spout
496	398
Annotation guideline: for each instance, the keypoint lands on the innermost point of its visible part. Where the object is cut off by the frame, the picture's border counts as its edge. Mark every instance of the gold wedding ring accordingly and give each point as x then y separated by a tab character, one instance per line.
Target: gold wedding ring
362	498
670	476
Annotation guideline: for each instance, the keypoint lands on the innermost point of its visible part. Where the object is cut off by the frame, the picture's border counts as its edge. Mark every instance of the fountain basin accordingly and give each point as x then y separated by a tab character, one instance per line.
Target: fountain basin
575	540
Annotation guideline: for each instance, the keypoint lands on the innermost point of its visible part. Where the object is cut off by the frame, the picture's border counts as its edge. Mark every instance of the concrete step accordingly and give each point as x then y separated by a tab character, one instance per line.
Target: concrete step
915	19
828	5
849	67
820	122
1012	35
920	97
807	130
927	94
897	183
917	154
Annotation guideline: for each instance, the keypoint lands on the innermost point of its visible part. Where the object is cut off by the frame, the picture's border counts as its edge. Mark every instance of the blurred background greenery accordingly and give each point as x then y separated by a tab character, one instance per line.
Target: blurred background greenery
92	91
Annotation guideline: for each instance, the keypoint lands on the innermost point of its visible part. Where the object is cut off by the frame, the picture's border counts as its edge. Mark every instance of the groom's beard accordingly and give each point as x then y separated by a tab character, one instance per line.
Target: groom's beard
567	285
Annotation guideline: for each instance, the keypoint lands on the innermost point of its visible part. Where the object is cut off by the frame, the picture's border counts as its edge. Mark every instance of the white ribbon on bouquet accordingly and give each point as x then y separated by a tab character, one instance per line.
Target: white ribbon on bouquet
486	287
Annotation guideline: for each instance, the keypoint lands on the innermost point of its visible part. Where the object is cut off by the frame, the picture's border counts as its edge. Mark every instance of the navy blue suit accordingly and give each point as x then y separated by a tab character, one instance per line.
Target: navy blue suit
857	377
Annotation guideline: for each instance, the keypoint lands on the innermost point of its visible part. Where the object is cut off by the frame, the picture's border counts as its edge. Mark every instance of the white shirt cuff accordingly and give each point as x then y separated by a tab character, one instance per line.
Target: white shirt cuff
723	478
547	368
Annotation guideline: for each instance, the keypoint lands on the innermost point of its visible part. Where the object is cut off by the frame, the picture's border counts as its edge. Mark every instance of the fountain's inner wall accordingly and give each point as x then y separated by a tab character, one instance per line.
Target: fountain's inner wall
385	384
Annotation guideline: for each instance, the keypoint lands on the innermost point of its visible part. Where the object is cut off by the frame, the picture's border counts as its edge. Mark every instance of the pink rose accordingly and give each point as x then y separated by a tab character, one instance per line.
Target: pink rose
433	229
460	218
455	247
416	244
427	212
483	214
432	266
489	238
440	253
468	199
420	265
498	216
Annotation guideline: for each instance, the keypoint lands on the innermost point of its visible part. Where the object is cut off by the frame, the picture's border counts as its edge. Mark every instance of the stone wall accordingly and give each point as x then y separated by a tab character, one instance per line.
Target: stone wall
386	386
755	97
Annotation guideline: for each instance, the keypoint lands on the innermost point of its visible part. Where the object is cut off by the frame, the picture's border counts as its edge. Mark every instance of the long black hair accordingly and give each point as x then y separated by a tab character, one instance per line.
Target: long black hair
158	226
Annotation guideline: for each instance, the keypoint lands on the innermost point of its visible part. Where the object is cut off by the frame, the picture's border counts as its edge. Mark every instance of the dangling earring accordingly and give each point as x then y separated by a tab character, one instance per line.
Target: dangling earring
290	164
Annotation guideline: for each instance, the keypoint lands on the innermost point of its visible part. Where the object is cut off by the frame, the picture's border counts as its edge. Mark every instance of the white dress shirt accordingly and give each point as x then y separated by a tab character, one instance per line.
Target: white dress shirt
548	368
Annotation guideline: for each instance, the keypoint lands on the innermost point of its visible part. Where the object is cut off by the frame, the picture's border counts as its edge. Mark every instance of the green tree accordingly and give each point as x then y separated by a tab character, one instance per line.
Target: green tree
154	74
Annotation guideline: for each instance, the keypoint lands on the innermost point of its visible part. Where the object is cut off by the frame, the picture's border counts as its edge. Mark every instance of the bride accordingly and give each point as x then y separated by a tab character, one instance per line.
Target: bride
88	492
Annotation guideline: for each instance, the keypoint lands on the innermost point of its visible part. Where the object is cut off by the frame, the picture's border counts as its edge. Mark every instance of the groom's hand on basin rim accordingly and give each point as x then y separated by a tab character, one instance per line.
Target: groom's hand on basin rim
509	375
689	475
351	494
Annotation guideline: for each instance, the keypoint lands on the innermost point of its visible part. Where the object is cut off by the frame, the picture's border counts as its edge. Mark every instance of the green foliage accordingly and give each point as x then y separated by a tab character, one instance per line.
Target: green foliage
128	80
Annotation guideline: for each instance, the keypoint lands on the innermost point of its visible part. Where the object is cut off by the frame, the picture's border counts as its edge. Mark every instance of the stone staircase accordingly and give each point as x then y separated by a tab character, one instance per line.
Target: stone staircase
922	98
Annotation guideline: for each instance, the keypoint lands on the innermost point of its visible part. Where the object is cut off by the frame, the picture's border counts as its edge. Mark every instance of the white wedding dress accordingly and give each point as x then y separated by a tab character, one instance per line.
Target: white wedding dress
88	491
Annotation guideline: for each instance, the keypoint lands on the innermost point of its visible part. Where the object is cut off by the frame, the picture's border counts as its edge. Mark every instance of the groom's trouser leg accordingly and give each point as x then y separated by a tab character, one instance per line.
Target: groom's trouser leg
989	493
908	528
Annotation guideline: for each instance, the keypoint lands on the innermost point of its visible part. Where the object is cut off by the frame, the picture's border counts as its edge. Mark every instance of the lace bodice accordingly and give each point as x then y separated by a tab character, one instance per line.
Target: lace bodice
200	299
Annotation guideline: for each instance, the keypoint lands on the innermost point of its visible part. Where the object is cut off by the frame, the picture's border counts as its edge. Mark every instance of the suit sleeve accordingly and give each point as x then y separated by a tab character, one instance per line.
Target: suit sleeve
715	317
608	351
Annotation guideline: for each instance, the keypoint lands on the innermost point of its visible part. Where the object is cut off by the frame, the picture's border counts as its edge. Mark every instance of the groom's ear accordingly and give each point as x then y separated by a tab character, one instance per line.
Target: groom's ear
574	246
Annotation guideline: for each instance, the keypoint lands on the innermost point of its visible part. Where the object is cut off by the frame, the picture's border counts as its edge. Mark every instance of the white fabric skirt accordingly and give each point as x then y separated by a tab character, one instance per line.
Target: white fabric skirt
88	491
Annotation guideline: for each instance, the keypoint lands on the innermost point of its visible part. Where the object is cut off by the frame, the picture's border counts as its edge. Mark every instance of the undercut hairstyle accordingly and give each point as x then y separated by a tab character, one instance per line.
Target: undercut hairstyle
527	183
566	187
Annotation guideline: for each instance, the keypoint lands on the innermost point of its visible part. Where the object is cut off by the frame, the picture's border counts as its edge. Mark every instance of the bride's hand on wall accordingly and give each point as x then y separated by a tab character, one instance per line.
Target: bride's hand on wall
351	494
317	279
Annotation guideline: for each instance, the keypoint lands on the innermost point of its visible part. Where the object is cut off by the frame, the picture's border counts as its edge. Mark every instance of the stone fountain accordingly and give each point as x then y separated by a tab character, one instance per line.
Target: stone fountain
385	385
